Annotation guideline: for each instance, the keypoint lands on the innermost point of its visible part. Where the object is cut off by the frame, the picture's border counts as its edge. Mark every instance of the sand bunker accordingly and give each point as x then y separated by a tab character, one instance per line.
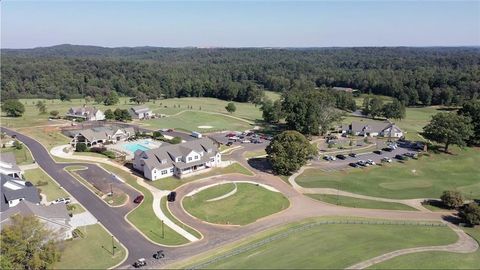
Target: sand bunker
205	127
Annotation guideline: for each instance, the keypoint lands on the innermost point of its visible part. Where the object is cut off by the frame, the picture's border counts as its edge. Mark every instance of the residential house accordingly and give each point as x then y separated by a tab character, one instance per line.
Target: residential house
141	112
8	165
15	190
373	129
86	113
177	160
54	216
100	135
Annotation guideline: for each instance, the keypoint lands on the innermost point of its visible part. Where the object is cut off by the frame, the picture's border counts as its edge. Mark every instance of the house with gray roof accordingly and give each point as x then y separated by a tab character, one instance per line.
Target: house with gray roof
141	112
15	190
373	129
178	159
86	113
100	135
54	216
8	165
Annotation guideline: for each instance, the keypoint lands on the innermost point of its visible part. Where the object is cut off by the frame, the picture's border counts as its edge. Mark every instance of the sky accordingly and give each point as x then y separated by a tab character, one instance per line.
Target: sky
28	24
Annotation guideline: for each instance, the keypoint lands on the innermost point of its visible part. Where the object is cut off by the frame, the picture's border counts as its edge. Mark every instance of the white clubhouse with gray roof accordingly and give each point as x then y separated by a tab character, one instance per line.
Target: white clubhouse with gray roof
177	160
373	129
141	112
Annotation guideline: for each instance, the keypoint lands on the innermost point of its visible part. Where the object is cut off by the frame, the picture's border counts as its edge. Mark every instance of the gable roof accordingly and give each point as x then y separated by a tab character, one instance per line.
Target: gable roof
8	162
140	109
102	133
50	212
13	188
370	127
82	111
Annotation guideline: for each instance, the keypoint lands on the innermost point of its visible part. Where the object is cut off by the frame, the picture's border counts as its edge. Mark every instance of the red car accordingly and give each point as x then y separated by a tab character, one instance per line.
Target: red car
138	199
230	135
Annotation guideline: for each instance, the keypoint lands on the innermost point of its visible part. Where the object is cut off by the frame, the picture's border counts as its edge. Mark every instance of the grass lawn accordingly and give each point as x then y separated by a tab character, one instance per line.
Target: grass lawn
94	251
327	246
426	177
143	216
190	121
248	204
252	154
171	183
49	137
77	208
359	203
22	156
166	211
272	95
436	259
52	190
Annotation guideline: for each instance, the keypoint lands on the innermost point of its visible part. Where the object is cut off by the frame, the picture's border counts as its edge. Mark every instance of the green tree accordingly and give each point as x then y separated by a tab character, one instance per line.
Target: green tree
176	140
139	98
81	147
122	115
231	108
41	106
449	128
54	113
366	105
64	96
472	109
394	110
28	244
272	111
289	151
452	199
111	99
88	99
375	107
109	115
17	144
13	108
471	214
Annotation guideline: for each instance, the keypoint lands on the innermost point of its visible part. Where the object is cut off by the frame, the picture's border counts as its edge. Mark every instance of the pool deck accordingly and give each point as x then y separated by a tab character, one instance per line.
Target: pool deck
142	144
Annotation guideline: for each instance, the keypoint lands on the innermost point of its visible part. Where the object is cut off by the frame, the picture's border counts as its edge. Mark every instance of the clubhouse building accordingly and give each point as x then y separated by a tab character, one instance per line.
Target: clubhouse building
177	160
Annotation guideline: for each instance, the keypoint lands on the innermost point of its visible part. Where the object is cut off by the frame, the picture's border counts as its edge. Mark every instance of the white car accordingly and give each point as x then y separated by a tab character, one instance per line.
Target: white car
61	200
387	159
371	162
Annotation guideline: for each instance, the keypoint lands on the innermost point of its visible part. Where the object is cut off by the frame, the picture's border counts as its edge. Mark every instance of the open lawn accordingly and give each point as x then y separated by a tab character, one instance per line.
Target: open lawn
427	177
359	203
75	208
171	183
49	137
48	187
22	156
327	246
94	251
193	121
248	204
437	259
252	154
143	216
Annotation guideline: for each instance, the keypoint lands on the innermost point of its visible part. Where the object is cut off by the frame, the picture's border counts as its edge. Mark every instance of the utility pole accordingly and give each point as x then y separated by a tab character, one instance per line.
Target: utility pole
113	247
163	230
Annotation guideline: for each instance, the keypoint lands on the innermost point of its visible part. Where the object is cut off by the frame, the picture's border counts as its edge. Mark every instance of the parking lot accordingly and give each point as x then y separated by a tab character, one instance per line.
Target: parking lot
233	138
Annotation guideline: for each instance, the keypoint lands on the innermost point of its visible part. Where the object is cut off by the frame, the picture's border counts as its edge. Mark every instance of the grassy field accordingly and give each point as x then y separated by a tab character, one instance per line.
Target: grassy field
252	154
359	203
78	209
22	156
94	251
427	177
52	190
49	137
333	246
143	216
166	211
191	121
436	260
171	183
248	204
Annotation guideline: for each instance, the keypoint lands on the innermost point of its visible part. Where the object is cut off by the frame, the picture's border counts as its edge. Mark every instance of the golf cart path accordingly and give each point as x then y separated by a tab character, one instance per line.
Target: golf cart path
464	244
217	113
415	203
157	193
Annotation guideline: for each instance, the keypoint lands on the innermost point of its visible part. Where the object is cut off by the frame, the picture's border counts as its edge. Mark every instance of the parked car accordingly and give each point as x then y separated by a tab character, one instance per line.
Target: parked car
230	135
362	163
387	149
370	162
229	143
159	255
329	158
62	200
140	263
400	157
171	196
387	159
378	152
342	157
352	154
353	164
411	155
246	141
138	199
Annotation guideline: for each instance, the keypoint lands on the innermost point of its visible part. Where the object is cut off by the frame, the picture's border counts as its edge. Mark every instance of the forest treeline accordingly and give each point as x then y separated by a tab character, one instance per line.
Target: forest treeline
415	76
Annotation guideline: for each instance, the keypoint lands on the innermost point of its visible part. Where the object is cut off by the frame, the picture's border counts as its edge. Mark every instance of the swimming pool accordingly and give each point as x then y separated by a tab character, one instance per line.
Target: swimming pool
134	146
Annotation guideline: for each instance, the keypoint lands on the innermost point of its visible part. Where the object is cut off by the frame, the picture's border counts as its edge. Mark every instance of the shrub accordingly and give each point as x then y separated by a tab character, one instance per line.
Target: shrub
42	183
71	207
98	149
109	154
452	199
157	134
471	214
176	140
81	147
18	145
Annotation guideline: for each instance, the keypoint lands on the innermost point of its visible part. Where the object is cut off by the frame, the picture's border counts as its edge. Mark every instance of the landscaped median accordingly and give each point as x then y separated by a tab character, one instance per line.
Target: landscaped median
143	216
359	203
328	242
246	204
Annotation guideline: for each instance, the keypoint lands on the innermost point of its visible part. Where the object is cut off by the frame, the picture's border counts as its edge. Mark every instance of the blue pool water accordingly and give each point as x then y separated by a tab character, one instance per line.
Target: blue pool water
132	147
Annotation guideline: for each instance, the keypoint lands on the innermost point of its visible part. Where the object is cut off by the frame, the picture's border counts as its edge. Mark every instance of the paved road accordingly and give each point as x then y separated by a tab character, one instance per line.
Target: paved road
111	218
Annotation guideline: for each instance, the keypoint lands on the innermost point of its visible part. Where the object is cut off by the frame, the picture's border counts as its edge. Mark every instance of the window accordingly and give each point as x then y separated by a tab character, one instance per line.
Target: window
212	159
196	157
171	170
164	172
189	158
